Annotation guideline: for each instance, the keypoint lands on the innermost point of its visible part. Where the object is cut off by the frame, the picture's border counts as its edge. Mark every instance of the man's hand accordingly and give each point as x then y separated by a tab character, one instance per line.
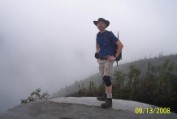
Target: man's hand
96	55
111	58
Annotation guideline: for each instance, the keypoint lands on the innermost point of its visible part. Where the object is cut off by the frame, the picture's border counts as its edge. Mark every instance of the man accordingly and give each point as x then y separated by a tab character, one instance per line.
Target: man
105	57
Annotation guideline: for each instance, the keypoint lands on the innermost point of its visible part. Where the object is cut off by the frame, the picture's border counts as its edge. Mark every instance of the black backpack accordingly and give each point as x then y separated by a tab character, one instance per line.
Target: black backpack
114	46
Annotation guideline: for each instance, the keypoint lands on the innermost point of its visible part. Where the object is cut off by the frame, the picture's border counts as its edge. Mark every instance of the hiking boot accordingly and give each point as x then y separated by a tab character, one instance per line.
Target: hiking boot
107	104
103	98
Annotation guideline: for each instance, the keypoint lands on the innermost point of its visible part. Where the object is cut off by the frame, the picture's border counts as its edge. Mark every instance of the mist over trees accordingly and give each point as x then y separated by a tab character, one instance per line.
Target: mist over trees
152	81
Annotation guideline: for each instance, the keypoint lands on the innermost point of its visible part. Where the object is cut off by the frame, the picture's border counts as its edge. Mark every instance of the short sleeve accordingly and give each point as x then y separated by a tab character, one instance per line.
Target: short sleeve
113	37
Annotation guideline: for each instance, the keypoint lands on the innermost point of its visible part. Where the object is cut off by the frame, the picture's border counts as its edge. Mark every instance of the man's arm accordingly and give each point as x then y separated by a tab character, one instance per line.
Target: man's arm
97	48
119	50
120	46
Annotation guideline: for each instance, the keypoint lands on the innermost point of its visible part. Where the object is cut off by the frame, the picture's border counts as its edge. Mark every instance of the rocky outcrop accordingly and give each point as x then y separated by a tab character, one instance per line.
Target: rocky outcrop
80	108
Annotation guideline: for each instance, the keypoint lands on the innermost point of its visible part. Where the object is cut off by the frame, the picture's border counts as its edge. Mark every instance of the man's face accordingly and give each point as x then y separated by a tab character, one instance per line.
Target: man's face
101	25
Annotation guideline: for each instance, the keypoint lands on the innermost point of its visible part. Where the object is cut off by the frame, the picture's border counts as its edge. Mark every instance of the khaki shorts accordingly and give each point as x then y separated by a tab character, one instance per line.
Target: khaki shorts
105	67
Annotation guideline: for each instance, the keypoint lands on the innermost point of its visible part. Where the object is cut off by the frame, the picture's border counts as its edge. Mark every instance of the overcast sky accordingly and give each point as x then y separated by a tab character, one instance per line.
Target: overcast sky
51	43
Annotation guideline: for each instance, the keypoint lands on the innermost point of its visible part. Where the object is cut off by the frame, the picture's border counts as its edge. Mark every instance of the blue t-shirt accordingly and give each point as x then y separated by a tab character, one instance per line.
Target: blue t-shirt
103	40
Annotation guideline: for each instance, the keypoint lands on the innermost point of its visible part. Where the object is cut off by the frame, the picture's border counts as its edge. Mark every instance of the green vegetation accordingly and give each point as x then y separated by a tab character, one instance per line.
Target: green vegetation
155	83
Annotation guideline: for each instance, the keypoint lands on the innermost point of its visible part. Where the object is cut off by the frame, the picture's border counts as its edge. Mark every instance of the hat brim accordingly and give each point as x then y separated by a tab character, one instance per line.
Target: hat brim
95	22
106	22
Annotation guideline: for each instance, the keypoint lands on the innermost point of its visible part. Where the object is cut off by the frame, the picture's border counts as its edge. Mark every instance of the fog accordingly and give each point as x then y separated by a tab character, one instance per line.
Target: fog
49	44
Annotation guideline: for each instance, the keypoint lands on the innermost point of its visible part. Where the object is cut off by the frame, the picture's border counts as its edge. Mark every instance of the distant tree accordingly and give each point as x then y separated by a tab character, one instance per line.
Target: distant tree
35	95
118	84
101	88
133	76
119	79
92	90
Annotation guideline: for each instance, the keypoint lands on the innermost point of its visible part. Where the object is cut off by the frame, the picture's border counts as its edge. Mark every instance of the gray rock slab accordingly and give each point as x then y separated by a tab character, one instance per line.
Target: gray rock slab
61	110
92	101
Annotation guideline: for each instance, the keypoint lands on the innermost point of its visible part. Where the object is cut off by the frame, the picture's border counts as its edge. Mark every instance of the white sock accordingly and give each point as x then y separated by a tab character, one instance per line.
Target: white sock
109	95
106	92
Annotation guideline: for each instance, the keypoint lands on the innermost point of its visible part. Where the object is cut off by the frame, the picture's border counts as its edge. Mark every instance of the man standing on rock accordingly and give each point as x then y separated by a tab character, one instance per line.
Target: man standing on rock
106	56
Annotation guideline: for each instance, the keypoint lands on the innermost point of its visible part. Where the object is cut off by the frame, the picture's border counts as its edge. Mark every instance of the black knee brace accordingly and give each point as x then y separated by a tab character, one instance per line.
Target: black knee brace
107	80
